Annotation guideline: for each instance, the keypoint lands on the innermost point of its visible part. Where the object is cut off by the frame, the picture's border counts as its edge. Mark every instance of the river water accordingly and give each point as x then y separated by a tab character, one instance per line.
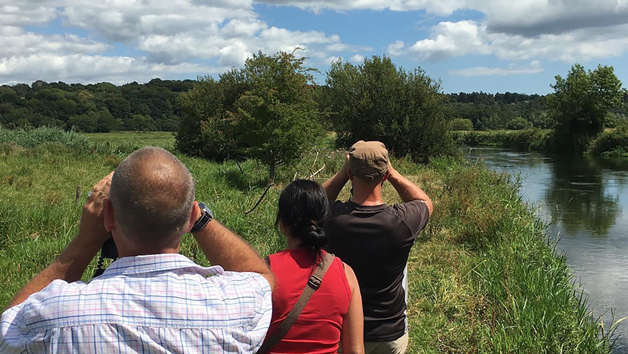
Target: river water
585	202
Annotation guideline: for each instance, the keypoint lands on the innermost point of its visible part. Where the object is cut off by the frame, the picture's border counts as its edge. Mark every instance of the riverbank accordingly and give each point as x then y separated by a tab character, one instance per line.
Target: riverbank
526	140
482	276
611	143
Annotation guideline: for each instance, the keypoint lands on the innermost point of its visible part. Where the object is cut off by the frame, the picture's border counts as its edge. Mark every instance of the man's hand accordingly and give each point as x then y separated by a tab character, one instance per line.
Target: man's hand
407	190
72	262
334	185
92	220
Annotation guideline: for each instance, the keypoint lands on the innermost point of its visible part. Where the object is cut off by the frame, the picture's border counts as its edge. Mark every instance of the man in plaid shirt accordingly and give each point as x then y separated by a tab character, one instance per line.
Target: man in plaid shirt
151	300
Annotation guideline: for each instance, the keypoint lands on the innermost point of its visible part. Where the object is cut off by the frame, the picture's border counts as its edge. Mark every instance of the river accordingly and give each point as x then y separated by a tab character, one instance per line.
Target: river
584	200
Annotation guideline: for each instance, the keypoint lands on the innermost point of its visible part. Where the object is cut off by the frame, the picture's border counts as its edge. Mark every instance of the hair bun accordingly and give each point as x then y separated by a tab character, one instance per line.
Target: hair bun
313	235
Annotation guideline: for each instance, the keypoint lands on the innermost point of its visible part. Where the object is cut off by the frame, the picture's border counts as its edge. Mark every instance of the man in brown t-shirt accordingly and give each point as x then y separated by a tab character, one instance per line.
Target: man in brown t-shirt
375	240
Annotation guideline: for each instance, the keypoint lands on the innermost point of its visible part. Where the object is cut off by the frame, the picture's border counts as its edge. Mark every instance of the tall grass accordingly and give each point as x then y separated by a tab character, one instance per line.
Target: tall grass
30	138
483	277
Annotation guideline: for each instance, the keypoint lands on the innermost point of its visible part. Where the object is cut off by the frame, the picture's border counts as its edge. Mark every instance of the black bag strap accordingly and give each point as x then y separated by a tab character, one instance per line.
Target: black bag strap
313	283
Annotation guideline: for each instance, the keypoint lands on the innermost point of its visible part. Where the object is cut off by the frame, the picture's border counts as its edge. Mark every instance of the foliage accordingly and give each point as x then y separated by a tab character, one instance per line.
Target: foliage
580	103
461	124
100	107
264	111
528	139
519	123
376	100
493	111
610	143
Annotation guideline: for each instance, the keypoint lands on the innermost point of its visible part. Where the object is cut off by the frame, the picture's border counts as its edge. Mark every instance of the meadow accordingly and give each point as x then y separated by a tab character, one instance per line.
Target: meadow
483	276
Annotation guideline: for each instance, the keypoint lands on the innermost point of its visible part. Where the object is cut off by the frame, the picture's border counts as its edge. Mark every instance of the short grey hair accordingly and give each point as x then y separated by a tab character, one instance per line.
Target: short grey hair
152	194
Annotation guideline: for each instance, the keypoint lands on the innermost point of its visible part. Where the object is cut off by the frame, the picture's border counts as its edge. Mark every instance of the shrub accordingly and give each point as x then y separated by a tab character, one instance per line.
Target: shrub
611	143
379	101
519	123
461	124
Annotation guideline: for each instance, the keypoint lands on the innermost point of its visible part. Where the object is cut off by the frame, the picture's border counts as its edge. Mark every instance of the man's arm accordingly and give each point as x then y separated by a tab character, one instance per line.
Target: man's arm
334	185
225	248
407	190
73	261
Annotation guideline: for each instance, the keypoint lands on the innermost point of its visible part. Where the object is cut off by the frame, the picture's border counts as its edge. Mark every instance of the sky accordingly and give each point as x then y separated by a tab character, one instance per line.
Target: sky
471	45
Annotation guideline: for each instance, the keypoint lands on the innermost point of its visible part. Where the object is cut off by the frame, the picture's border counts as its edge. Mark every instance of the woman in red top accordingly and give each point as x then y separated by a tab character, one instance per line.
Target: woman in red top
333	314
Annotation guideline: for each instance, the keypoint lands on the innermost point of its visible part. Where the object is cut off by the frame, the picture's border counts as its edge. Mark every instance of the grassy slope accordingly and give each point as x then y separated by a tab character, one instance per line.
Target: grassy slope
482	277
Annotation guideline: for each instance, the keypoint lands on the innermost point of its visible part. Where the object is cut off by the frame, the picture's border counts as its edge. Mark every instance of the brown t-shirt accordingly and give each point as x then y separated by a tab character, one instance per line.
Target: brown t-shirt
376	241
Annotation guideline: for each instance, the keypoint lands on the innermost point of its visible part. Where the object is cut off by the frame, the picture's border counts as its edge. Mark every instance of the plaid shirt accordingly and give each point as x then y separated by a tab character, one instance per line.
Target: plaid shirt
146	304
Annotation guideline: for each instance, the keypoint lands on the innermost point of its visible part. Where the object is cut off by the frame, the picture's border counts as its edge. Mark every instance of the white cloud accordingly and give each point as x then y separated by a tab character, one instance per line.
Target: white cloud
533	68
455	39
126	20
24	14
438	7
525	17
86	68
343	47
397	48
452	39
15	42
358	59
170	35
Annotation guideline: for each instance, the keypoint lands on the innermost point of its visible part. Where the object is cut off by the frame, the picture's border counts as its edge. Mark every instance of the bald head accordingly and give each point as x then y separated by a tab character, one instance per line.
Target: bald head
152	194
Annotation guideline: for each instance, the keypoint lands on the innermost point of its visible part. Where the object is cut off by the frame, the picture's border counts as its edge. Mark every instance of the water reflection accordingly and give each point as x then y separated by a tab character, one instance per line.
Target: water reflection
586	202
579	195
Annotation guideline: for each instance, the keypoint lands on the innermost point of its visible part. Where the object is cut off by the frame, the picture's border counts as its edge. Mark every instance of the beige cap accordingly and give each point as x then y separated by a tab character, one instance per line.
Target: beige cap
368	159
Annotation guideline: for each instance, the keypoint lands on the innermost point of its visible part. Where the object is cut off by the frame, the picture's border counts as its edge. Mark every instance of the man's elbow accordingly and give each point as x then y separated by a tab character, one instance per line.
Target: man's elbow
270	278
430	206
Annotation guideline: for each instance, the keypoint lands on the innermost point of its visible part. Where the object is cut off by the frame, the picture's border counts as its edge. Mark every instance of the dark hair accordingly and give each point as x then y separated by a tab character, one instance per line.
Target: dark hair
304	210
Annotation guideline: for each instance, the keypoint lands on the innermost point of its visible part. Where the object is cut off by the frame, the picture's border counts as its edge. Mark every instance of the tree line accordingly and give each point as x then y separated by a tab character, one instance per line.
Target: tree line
272	110
105	107
100	107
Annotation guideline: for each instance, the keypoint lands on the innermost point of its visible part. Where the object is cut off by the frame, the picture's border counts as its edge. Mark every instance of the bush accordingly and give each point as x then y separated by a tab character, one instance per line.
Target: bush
379	101
611	143
461	124
519	123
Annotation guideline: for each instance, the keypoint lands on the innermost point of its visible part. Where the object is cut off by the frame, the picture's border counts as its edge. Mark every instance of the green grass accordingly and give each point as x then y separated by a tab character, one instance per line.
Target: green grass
161	139
483	277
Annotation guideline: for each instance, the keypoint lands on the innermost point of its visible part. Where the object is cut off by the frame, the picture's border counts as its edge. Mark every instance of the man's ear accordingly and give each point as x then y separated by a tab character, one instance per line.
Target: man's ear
386	175
194	215
108	215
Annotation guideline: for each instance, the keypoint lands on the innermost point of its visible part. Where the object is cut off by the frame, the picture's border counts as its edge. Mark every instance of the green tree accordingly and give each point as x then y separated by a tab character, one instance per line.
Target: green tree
580	103
278	118
264	111
206	128
378	101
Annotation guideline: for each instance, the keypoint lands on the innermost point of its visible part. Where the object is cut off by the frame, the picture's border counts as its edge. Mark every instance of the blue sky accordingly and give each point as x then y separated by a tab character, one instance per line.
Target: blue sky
471	45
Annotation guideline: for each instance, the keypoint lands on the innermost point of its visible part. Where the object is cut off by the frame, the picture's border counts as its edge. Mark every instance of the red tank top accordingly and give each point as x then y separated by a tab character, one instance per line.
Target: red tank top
317	329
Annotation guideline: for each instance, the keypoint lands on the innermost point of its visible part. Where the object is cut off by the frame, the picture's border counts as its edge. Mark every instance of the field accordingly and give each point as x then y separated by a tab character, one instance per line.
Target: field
483	277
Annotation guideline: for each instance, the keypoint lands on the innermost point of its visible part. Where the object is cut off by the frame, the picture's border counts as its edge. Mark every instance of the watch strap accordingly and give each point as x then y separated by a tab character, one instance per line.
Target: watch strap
206	217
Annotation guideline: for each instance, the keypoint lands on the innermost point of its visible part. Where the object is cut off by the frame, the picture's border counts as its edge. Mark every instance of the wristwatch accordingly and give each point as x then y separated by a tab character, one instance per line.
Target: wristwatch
206	216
